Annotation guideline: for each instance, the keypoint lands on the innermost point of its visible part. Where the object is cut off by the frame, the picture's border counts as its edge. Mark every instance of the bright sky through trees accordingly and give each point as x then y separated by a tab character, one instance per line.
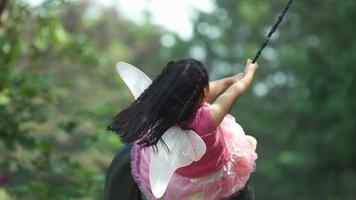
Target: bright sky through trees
173	15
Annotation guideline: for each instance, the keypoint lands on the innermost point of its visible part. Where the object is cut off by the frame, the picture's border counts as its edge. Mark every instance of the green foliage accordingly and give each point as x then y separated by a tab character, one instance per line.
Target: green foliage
57	94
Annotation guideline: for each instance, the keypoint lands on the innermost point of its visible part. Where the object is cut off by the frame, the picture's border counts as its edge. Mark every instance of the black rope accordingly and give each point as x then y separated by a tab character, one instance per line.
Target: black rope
273	29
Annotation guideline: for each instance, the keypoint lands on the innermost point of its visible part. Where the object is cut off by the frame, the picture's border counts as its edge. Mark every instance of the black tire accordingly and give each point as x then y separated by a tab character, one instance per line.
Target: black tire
119	184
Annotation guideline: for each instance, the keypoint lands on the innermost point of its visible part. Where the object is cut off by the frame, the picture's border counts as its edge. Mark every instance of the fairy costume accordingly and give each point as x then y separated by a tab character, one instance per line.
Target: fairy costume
206	162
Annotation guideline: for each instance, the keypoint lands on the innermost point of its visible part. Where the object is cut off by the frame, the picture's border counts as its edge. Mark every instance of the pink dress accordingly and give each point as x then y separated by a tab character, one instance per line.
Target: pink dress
221	172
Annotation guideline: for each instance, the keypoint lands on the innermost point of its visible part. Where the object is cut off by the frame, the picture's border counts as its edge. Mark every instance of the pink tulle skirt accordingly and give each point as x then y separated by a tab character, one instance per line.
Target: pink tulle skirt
229	180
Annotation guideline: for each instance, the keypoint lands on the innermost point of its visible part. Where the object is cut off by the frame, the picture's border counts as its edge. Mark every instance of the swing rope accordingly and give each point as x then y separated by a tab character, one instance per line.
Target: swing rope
273	29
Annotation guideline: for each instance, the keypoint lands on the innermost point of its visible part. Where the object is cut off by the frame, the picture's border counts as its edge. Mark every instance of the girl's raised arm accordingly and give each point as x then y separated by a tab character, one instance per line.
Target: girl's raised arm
225	101
219	86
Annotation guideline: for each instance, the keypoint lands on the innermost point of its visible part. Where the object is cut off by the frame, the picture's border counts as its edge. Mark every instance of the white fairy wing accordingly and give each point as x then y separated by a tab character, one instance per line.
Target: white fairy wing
135	79
185	146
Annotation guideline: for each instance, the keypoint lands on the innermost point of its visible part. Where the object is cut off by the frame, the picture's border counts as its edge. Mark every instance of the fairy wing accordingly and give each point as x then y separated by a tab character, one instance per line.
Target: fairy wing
135	79
185	145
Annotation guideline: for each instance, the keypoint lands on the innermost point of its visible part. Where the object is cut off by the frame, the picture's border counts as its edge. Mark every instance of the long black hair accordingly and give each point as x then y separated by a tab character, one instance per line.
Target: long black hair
171	99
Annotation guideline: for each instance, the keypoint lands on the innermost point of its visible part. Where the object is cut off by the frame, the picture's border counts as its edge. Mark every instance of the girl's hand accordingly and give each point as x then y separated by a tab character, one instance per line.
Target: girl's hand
225	101
251	67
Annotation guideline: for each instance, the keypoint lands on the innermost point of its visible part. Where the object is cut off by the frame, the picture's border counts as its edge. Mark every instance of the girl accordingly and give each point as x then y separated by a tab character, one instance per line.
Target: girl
178	97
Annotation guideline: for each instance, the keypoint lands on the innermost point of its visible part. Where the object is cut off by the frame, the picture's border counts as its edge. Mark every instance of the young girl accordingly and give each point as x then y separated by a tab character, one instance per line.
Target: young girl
178	97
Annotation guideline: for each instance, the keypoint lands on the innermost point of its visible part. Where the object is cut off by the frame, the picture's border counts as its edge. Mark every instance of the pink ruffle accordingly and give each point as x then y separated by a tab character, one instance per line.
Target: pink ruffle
220	185
140	169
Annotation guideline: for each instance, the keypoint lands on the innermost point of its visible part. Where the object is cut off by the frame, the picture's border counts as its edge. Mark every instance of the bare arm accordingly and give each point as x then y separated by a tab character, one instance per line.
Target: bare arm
225	101
219	86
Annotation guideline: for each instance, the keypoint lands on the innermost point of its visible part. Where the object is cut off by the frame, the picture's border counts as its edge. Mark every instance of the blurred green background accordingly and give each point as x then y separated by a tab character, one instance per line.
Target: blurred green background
59	89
